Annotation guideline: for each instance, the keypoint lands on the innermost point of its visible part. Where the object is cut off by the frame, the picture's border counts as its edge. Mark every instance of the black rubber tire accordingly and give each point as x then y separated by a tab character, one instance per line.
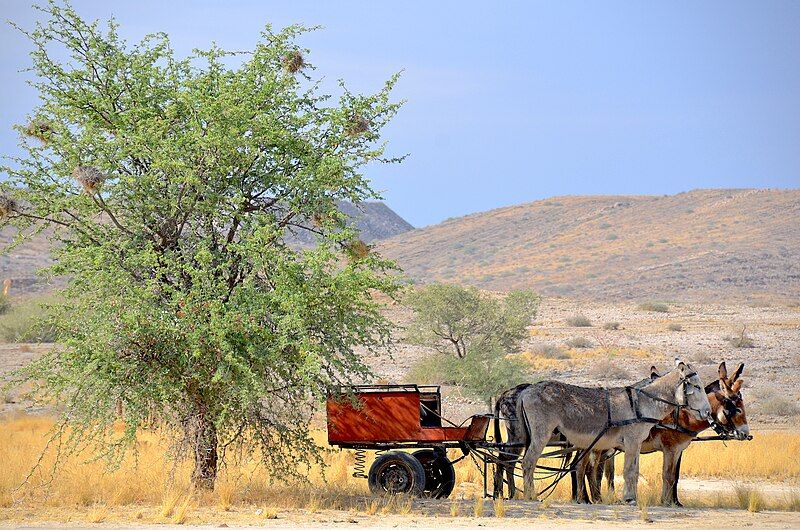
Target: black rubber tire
395	472
440	476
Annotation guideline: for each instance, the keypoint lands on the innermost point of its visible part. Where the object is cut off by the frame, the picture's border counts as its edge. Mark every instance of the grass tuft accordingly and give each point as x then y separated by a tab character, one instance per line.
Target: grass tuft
579	321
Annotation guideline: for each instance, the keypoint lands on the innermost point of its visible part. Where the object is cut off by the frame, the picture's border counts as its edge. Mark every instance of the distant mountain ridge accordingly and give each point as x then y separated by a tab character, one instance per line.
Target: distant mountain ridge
702	244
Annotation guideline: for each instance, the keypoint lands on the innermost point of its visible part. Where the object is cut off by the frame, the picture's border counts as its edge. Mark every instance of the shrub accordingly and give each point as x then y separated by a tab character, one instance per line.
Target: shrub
742	340
26	322
656	307
550	351
675	327
579	321
606	369
579	342
611	326
5	304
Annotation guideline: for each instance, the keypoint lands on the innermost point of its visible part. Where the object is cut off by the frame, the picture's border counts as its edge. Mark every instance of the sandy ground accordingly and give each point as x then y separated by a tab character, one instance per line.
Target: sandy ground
435	514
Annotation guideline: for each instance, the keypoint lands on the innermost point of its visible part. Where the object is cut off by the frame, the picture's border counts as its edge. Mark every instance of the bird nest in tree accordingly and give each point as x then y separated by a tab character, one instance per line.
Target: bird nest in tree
358	125
41	130
89	177
294	62
357	249
7	205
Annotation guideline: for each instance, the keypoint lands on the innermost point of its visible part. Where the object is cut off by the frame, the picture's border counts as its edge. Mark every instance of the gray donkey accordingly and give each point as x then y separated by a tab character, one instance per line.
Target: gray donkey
597	418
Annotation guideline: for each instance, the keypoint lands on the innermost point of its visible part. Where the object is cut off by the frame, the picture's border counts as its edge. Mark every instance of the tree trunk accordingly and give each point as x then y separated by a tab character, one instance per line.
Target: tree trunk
205	449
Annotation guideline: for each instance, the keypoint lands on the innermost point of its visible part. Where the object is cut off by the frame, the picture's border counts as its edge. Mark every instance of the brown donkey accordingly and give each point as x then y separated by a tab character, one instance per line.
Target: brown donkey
605	418
727	406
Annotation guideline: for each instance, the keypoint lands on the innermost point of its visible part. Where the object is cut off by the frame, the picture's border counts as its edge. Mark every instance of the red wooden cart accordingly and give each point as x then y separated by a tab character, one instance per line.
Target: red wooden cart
390	418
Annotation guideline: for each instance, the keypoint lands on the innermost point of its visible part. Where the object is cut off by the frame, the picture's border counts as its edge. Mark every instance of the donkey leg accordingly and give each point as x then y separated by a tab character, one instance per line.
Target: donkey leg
596	476
677	477
631	471
581	495
609	471
539	438
510	467
668	476
499	470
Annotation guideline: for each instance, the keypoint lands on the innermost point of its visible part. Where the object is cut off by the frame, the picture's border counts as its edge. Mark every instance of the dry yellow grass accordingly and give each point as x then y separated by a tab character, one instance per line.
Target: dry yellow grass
150	489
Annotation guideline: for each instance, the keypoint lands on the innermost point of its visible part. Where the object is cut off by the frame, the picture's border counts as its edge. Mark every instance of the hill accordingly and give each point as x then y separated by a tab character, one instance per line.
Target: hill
703	244
374	219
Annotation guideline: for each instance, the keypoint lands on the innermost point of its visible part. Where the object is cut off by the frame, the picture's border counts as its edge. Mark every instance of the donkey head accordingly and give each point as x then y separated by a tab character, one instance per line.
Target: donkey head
726	402
690	392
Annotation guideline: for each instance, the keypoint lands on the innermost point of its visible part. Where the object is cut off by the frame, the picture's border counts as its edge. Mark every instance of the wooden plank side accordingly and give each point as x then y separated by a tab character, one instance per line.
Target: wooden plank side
381	417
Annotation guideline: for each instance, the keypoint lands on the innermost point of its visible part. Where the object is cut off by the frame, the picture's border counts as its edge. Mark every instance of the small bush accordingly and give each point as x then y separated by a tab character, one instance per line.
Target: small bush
25	322
742	340
611	326
550	351
656	307
579	342
579	321
612	237
606	369
5	304
675	327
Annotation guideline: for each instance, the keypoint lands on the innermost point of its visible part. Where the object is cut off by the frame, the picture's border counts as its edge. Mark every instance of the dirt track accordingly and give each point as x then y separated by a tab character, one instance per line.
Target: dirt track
519	514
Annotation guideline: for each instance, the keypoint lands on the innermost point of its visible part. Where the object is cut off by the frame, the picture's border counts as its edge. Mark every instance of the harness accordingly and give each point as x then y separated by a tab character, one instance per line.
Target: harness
633	392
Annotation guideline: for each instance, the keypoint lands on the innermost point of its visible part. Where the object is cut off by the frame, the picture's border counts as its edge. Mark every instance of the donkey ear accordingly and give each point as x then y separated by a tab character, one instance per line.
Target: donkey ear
681	366
737	373
737	386
654	373
723	371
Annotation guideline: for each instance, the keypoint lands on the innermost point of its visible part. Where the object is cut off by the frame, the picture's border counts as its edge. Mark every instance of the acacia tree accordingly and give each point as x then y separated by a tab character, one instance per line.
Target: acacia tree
452	318
480	329
170	188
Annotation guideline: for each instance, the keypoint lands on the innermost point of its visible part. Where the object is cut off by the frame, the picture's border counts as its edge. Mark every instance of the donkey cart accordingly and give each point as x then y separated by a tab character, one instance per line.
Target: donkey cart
392	419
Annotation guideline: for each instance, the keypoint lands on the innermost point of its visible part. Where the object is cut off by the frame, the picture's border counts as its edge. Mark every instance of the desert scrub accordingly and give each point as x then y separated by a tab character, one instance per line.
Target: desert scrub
607	369
655	307
611	326
742	340
774	404
579	342
579	321
550	351
26	321
675	327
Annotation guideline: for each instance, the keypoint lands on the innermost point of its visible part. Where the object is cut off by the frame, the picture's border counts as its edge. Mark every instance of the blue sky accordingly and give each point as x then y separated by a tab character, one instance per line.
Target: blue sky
516	102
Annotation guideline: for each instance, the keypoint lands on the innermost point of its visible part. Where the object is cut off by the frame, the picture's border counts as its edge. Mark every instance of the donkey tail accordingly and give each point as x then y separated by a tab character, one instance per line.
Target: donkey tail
497	403
524	419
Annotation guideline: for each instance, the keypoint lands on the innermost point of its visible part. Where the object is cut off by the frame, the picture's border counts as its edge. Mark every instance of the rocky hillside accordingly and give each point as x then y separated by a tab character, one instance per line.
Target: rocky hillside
698	245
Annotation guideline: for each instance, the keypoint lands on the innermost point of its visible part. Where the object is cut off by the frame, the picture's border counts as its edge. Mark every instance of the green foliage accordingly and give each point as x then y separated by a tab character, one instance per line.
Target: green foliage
5	304
482	374
27	321
451	318
171	186
479	328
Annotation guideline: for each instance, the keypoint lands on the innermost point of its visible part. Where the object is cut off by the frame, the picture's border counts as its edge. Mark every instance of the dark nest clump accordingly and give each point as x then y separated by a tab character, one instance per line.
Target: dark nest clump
7	205
357	249
358	125
41	130
294	62
90	178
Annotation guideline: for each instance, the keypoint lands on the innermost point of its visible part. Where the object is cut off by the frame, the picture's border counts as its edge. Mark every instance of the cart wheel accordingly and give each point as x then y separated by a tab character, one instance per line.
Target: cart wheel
395	472
440	477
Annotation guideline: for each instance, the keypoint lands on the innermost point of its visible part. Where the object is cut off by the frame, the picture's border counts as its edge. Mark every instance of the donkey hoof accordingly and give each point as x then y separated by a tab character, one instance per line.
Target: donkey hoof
630	502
